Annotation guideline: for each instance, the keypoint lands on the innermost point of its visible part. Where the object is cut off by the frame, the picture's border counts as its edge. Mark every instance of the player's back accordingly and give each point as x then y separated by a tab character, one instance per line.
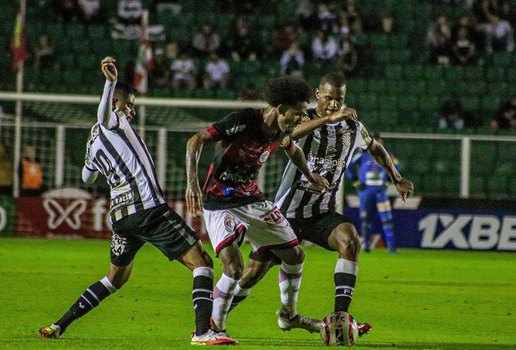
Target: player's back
122	157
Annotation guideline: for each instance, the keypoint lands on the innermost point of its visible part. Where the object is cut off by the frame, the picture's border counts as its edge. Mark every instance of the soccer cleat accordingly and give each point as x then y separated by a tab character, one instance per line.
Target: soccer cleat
52	331
364	328
212	337
286	323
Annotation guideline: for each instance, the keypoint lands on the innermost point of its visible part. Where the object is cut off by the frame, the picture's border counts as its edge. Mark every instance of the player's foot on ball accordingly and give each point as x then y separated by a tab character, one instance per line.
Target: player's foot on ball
52	331
286	323
212	337
363	328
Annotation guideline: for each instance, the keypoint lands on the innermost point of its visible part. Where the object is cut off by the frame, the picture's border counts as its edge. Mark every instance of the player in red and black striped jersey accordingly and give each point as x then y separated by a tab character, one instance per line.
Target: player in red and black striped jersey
233	204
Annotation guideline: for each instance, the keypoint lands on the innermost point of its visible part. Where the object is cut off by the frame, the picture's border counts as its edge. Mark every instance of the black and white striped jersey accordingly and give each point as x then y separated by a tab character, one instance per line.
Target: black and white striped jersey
328	151
122	157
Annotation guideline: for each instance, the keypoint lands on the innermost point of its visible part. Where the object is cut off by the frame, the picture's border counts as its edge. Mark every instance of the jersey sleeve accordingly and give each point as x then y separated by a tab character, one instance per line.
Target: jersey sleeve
229	127
364	139
105	114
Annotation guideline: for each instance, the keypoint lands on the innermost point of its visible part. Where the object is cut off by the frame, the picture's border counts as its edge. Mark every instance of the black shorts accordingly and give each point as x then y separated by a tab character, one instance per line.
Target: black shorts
160	226
316	230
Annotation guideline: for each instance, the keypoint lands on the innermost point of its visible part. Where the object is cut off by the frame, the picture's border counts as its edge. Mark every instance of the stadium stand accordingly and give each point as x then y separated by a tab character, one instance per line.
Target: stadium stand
395	89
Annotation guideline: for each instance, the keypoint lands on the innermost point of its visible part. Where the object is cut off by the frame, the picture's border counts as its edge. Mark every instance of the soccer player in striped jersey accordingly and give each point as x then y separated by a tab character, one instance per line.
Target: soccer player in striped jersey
231	201
329	136
138	214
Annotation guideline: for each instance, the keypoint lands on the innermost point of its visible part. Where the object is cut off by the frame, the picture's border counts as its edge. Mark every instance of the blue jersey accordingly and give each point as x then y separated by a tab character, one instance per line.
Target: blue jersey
368	172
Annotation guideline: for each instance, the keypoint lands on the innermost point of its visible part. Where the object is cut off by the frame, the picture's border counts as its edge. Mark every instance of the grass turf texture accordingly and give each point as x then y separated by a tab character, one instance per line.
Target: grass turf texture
415	300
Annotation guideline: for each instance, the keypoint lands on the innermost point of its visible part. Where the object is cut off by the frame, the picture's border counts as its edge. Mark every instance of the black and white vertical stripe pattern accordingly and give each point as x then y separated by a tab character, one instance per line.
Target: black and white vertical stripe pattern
122	157
328	150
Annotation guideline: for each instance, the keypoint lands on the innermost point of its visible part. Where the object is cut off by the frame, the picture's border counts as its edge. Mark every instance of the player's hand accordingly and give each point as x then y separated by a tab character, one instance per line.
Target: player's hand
109	69
193	197
405	189
319	182
343	114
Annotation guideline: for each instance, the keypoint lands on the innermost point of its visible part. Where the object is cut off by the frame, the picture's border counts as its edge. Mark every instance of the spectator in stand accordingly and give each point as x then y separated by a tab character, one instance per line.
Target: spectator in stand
386	21
217	73
348	54
463	48
451	115
67	10
31	172
171	51
243	45
284	38
44	54
506	116
499	35
352	17
184	72
440	49
436	30
324	47
130	12
250	93
306	16
292	60
159	75
90	9
206	41
329	17
167	5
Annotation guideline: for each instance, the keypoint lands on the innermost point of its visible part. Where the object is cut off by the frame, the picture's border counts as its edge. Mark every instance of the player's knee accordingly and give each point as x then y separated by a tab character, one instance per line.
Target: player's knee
348	240
233	269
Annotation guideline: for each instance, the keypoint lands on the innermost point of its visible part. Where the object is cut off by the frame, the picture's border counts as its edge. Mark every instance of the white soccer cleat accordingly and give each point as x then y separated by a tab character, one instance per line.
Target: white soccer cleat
212	337
286	323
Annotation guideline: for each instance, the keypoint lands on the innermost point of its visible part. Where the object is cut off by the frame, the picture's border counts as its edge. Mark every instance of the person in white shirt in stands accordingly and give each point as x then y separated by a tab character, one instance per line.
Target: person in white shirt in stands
217	72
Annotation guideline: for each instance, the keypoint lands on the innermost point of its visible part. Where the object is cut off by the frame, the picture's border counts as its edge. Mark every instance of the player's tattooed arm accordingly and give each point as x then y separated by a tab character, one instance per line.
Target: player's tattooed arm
296	154
193	192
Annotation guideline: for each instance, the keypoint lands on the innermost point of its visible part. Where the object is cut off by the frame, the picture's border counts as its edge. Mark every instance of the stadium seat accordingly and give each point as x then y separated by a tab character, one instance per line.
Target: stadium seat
377	86
496	74
394	72
490	103
413	72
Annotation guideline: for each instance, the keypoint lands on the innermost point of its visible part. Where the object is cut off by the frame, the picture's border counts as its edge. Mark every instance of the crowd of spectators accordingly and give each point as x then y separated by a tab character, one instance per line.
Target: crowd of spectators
324	33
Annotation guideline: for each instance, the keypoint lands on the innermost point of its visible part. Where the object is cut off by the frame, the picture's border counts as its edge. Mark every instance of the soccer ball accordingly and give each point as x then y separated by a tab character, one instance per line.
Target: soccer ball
339	328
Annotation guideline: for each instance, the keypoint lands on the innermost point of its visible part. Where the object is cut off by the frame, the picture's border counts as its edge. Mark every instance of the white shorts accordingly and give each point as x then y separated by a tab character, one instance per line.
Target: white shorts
262	222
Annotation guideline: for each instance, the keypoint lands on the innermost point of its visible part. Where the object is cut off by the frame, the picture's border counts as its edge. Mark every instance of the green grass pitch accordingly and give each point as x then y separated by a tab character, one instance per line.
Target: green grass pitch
415	300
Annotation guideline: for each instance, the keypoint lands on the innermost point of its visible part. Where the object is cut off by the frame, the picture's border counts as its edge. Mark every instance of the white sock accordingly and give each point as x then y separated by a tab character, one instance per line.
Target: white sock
222	296
289	283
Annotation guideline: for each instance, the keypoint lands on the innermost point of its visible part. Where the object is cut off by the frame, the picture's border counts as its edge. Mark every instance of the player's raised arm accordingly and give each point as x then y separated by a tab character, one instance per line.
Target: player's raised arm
105	107
382	157
193	193
306	127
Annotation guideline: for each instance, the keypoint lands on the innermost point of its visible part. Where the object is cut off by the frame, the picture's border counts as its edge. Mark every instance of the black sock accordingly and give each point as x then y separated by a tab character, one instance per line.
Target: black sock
202	297
344	288
91	298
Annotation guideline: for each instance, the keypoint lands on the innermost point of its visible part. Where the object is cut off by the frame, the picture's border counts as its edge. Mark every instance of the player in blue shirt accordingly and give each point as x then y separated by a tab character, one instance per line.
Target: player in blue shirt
371	181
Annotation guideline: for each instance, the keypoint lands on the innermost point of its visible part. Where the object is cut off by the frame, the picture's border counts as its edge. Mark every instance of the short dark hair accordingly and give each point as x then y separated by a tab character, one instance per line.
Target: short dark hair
334	79
287	90
122	90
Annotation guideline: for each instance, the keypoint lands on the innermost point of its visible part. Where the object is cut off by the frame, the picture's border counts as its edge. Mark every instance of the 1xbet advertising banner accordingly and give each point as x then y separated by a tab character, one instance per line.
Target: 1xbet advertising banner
449	224
74	213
